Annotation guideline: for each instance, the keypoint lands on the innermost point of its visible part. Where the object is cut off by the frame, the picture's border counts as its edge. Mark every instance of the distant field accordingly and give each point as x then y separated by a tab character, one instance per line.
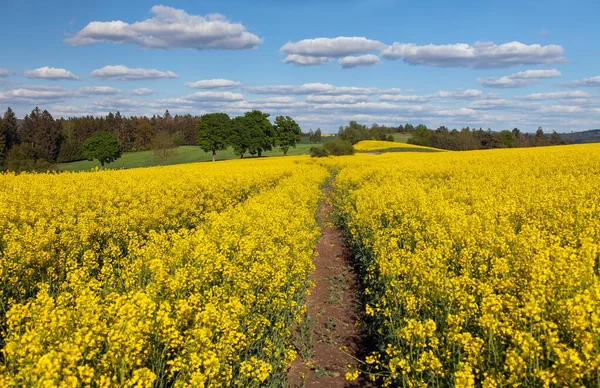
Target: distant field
401	137
376	146
184	154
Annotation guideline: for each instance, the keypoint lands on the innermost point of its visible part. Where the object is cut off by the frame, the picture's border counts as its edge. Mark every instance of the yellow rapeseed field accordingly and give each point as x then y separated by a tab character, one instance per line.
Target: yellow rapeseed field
187	275
378	145
480	268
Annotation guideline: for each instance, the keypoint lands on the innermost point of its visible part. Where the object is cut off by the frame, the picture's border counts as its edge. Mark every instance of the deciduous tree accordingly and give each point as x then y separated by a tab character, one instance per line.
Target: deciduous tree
103	147
213	132
287	132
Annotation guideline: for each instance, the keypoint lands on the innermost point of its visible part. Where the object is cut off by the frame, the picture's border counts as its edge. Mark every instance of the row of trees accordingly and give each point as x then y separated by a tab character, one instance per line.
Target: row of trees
251	133
355	132
46	140
39	140
442	137
475	139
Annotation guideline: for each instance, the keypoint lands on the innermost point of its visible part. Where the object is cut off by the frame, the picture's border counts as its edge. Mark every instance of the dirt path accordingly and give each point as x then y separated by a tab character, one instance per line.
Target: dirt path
330	338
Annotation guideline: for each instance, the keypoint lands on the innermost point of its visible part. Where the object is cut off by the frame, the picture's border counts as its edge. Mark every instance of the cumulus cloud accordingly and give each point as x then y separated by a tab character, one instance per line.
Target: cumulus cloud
36	94
214	96
340	99
331	47
218	83
403	98
520	79
561	109
170	28
350	62
143	91
316	88
121	72
494	103
576	94
586	82
305	60
98	90
4	73
51	73
478	55
469	93
308	52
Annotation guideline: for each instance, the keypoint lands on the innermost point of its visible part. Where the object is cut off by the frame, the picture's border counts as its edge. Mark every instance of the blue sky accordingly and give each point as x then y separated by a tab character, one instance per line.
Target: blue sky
498	64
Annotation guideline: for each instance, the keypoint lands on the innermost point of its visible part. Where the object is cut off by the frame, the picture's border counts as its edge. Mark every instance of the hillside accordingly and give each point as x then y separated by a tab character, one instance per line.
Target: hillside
591	136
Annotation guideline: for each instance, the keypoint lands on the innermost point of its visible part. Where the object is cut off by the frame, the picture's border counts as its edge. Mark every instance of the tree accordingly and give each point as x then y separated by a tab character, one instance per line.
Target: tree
287	132
421	136
260	131
143	129
555	139
10	129
354	132
213	132
507	139
103	147
339	147
315	137
25	157
163	145
41	131
240	137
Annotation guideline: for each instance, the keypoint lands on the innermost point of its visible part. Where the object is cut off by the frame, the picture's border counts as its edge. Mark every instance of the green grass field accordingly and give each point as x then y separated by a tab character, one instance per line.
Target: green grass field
401	137
184	154
192	154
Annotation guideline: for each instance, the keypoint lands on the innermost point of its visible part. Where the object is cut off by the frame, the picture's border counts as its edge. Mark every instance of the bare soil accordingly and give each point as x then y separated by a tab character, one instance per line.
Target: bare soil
334	313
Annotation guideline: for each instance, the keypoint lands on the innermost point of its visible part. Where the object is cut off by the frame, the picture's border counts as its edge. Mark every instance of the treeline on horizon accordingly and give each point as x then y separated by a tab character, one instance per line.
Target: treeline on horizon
456	140
40	141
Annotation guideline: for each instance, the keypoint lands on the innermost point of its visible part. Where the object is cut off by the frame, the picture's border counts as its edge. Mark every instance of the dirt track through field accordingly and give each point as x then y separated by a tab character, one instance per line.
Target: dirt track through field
331	336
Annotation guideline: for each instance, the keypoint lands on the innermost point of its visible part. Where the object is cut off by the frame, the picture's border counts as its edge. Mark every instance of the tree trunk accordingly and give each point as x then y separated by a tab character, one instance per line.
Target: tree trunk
214	155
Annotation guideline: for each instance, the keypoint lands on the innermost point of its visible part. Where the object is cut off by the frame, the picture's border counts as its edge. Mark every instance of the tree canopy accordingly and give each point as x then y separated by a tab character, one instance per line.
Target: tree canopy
262	137
103	147
288	133
213	132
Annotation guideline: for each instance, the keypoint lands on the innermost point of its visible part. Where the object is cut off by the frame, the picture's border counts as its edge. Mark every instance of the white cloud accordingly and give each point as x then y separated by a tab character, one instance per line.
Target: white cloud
218	83
360	106
98	90
403	98
121	72
36	95
339	99
520	79
214	96
591	81
77	111
469	93
121	104
454	112
496	103
4	72
331	47
561	109
170	28
557	95
143	91
50	73
305	60
350	62
478	55
316	88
